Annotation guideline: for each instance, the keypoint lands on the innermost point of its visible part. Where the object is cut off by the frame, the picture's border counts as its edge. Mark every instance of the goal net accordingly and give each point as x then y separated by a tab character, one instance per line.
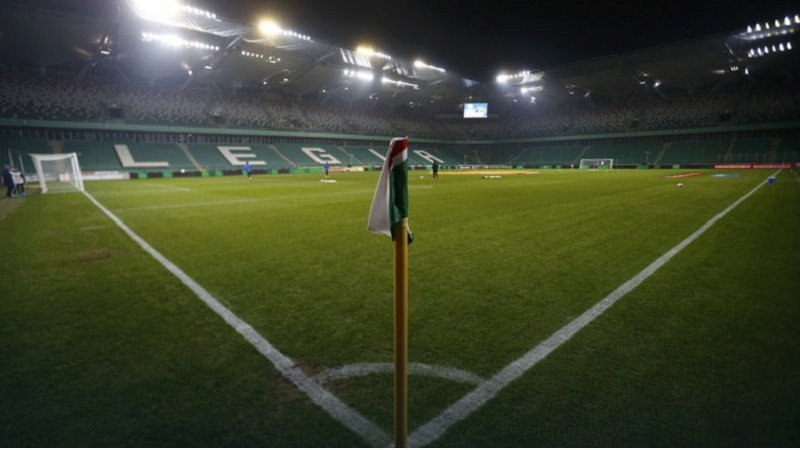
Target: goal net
58	173
598	163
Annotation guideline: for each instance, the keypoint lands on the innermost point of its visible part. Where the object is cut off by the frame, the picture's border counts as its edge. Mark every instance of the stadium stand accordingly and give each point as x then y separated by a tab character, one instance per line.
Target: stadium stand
25	145
628	153
750	150
788	150
552	156
51	98
95	156
695	152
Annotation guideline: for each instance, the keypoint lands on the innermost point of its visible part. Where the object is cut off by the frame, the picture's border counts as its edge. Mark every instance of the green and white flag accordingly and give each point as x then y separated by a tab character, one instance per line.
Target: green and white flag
390	204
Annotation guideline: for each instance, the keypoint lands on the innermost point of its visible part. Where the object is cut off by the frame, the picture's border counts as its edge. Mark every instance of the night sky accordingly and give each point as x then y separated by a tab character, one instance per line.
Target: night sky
476	39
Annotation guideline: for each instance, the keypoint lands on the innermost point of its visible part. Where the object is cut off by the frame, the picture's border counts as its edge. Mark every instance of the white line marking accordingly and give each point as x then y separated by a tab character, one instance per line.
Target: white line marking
365	369
487	390
167	187
340	411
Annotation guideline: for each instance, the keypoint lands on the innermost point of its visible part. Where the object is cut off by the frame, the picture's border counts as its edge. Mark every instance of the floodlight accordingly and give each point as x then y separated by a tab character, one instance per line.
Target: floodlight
199	12
788	46
796	18
370	52
657	83
156	10
502	78
364	50
758	27
388	80
362	75
269	27
176	41
746	71
421	64
526	89
749	29
777	23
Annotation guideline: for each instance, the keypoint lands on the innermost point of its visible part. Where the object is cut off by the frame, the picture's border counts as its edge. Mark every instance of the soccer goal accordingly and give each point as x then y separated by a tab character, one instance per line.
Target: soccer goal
58	173
598	163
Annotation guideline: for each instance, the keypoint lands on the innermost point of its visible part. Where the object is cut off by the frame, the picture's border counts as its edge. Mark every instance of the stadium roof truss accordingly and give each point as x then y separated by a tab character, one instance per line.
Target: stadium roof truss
269	56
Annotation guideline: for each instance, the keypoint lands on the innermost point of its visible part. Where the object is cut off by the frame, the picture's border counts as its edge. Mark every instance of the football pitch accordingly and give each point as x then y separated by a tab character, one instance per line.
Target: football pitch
547	309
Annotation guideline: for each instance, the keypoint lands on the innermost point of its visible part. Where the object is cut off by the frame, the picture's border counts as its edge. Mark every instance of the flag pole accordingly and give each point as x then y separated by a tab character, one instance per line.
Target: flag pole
401	334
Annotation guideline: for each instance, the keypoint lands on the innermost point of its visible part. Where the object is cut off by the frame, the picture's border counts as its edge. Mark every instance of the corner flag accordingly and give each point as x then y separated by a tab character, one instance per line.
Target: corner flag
389	216
390	204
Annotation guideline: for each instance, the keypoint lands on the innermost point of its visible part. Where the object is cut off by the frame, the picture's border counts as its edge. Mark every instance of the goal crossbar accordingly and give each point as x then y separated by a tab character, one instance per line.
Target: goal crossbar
58	172
596	163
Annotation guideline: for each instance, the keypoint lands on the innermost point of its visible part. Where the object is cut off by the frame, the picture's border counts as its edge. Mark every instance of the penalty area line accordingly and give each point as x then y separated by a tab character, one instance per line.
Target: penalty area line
331	404
487	390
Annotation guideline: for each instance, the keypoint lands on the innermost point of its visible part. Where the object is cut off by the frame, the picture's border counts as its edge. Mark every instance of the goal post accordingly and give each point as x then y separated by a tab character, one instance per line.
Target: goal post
58	172
596	163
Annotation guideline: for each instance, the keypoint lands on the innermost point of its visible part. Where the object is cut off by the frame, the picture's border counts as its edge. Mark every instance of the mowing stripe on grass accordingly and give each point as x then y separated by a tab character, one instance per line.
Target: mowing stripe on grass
340	411
487	390
250	200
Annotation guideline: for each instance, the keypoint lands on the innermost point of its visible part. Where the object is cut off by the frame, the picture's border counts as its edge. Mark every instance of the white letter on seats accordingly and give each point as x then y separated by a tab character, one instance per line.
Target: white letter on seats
427	156
127	161
319	155
234	158
383	158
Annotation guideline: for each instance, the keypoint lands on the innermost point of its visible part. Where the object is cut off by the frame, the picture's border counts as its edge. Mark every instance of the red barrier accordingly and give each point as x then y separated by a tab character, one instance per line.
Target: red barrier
755	166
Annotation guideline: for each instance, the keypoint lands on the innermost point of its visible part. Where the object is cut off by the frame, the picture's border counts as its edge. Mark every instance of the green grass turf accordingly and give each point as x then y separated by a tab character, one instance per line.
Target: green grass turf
100	346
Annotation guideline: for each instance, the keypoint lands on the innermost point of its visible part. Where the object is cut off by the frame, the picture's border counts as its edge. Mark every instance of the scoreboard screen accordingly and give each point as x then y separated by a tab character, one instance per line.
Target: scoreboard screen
476	110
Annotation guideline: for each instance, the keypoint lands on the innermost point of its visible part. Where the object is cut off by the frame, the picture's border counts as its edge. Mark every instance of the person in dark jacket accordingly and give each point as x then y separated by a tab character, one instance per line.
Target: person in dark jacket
8	180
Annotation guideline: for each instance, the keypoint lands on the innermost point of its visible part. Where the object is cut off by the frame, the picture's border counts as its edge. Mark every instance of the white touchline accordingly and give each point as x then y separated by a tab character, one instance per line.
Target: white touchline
349	417
487	390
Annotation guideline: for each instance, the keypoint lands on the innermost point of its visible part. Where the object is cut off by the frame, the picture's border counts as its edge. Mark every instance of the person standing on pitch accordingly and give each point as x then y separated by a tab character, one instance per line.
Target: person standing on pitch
19	182
435	170
248	170
8	180
327	168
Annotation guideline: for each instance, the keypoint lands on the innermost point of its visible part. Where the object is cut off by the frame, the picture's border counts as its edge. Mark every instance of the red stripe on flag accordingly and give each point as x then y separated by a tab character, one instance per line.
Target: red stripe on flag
398	147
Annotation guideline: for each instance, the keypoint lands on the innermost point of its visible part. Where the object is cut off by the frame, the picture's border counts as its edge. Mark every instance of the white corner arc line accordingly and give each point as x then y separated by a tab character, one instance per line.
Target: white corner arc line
365	369
487	390
331	404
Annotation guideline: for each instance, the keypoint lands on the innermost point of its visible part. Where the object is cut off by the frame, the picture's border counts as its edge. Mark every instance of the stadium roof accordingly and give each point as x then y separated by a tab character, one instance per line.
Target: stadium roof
236	46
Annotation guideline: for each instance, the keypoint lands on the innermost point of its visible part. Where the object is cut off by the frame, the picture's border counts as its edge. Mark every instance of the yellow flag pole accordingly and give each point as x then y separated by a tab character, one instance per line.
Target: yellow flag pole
401	334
